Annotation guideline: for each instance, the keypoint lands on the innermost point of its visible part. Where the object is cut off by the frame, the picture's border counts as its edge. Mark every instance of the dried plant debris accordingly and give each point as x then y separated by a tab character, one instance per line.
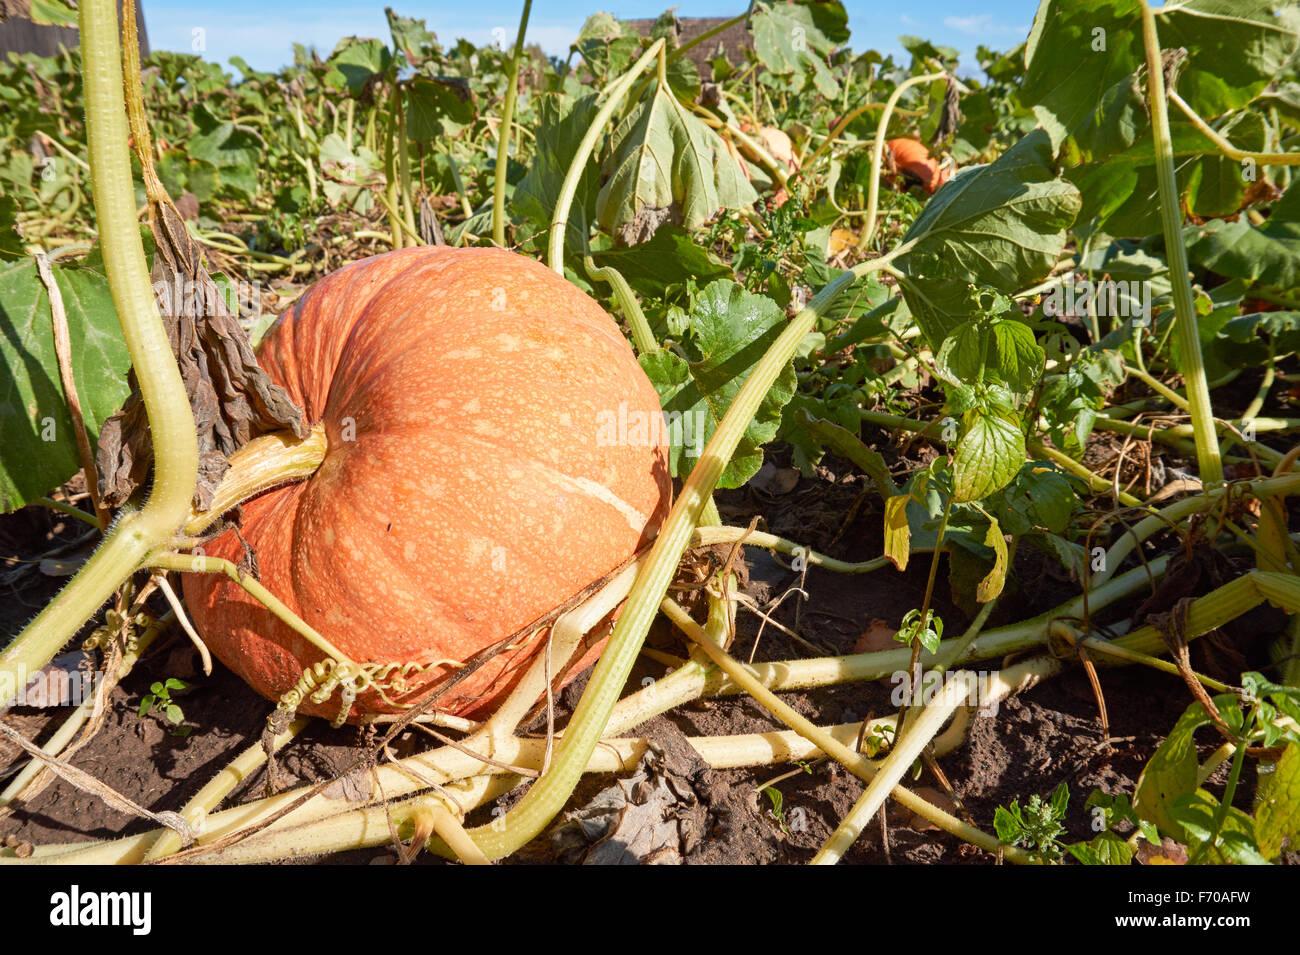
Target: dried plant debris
232	398
653	817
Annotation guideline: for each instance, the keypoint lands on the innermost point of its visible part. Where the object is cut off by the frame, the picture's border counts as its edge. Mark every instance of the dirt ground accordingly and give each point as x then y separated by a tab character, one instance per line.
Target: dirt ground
1049	735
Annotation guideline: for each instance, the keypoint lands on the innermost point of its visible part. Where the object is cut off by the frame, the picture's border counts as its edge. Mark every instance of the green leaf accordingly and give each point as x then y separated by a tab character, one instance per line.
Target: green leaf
788	39
11	245
1042	495
146	704
1277	804
56	13
1018	358
1236	48
1106	848
670	258
1002	225
437	108
1007	824
38	449
963	356
345	172
731	331
665	164
1244	341
173	713
1216	185
562	122
410	37
988	456
1234	842
848	445
355	62
1170	773
607	45
1078	51
1269	254
1082	55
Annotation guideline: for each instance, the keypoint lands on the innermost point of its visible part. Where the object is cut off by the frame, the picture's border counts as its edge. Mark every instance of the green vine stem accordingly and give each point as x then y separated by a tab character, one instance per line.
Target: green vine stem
642	336
404	167
684	684
1171	216
1229	150
569	188
136	534
1283	485
503	138
216	789
548	794
391	203
852	760
197	564
263	463
878	151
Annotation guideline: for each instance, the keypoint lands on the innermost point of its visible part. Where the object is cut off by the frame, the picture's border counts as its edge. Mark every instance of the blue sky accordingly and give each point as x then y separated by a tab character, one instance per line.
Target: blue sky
264	34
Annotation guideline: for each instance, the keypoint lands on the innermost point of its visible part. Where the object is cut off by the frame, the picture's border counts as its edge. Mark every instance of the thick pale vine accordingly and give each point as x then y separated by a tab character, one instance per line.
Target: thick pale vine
136	534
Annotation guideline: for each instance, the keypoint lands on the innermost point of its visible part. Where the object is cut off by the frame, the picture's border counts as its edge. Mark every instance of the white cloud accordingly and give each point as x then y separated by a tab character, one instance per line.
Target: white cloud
982	25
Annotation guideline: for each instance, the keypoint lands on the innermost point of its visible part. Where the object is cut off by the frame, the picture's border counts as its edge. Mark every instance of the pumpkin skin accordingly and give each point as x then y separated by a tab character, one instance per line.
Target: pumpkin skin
475	477
912	156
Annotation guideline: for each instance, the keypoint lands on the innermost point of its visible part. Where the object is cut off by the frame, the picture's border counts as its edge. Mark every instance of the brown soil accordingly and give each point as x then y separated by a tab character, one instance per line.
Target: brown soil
1049	735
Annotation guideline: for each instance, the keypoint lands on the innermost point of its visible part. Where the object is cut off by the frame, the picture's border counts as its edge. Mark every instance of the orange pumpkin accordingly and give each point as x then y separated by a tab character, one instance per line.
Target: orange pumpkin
912	156
476	475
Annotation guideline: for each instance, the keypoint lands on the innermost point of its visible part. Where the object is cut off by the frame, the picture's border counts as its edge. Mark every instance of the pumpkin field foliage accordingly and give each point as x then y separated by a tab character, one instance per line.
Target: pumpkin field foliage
994	332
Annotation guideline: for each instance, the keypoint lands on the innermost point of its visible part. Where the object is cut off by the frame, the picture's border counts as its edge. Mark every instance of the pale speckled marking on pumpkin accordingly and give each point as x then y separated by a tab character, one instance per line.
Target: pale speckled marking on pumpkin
635	519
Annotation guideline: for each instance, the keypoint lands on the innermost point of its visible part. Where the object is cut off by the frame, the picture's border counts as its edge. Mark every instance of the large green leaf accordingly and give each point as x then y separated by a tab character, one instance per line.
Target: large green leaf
234	154
789	40
665	164
1269	254
345	172
1082	58
988	457
410	37
57	13
731	329
1002	225
437	108
1235	48
1120	192
1078	59
355	62
38	449
1170	773
607	45
561	125
670	258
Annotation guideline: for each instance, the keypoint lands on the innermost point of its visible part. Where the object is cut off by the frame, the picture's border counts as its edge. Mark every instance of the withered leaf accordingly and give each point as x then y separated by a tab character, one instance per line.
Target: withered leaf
232	398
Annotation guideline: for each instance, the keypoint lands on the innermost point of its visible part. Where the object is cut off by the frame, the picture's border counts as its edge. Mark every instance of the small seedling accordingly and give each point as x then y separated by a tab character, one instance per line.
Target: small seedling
778	806
159	697
1037	826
